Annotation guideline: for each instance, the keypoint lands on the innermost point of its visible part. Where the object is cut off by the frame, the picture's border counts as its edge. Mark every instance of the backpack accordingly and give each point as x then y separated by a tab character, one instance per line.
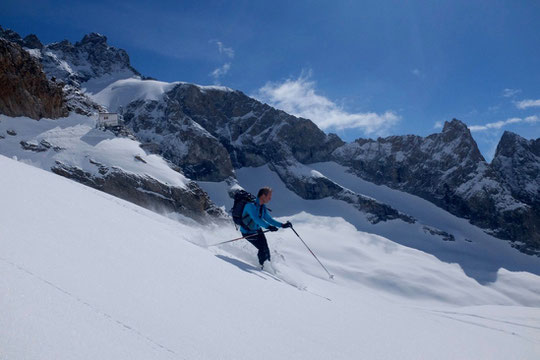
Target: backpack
241	198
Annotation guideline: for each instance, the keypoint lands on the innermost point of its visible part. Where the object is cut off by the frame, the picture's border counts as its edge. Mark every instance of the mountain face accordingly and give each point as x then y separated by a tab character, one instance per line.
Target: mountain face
517	162
62	146
448	170
209	131
146	191
90	58
24	88
72	66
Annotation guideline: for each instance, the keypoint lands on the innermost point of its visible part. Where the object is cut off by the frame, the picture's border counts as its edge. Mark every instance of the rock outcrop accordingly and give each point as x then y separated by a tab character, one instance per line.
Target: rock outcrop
209	131
146	191
517	162
90	58
24	88
448	170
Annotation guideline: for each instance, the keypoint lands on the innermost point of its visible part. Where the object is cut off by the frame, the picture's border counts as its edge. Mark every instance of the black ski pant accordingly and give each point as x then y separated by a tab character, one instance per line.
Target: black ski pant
259	241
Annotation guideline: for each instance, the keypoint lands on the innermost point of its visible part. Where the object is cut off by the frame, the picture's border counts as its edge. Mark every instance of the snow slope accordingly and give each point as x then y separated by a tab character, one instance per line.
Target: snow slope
122	91
101	278
75	141
477	253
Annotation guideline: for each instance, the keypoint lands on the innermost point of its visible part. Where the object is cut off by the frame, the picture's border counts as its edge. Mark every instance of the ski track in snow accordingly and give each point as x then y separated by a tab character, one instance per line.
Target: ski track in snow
108	317
455	316
279	276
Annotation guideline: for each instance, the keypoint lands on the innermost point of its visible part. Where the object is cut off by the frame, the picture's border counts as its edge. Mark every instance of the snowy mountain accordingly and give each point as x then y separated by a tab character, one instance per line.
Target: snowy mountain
401	222
210	131
103	278
517	162
72	146
448	170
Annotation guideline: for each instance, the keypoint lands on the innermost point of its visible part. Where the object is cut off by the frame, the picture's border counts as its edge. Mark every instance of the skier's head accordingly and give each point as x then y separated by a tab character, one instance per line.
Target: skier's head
264	195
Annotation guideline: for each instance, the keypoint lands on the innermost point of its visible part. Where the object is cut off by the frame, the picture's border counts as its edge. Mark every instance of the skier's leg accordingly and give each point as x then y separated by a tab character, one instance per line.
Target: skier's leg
264	251
262	245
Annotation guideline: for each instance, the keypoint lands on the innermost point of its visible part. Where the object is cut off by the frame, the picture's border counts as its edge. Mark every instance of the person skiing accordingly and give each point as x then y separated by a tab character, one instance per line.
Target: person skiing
255	217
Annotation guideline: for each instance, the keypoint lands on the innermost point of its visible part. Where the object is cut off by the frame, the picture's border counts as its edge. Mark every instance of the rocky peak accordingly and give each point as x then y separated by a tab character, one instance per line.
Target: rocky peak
93	39
447	169
90	58
517	162
458	136
10	35
509	144
455	126
32	42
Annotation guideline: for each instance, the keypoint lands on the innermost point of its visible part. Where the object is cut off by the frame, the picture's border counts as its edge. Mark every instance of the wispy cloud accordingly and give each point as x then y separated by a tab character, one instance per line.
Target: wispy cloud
524	104
227	51
510	92
223	69
220	71
500	124
438	125
298	97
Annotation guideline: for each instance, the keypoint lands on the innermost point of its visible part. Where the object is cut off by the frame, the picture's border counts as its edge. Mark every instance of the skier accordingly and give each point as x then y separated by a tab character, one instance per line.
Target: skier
255	217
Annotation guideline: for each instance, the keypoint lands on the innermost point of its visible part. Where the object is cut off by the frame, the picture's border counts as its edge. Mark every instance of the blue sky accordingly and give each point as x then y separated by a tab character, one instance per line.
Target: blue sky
357	68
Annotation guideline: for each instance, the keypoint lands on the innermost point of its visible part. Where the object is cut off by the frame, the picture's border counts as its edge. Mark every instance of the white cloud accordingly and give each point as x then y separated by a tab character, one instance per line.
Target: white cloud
510	92
500	124
298	97
223	69
531	119
438	125
220	71
227	51
528	103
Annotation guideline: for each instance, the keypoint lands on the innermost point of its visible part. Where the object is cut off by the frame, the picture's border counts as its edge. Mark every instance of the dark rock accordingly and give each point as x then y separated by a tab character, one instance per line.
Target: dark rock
24	88
146	191
313	186
209	131
89	58
517	162
376	211
33	146
32	42
307	186
179	139
448	170
11	36
443	234
139	158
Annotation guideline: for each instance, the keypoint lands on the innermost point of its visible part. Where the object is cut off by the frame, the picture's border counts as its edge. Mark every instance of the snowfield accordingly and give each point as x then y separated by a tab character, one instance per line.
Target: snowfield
89	276
77	142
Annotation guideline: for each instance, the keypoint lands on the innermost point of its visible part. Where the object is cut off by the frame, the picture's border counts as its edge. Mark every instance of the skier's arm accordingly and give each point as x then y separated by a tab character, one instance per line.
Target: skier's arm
252	212
271	220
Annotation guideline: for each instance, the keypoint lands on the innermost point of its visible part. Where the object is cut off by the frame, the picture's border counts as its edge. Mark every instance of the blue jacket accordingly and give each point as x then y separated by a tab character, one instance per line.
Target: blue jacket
255	216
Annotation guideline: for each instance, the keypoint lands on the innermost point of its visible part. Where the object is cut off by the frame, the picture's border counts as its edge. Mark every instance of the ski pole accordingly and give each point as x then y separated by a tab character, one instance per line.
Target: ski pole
330	275
240	238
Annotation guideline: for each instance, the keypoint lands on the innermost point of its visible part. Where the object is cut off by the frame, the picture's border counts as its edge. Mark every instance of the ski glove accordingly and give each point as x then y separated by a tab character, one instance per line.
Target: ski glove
272	228
286	225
